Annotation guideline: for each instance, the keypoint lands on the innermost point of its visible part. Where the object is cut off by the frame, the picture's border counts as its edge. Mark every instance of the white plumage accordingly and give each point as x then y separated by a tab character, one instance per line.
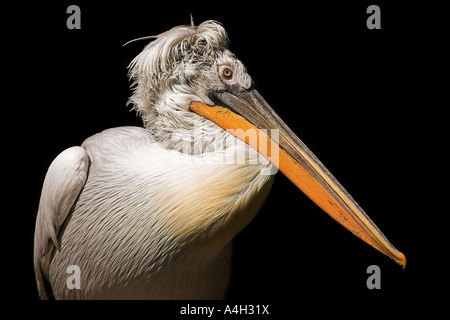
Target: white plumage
149	213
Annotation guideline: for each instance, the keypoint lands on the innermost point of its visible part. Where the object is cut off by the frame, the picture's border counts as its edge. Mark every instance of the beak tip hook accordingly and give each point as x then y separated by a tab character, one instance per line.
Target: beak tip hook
402	260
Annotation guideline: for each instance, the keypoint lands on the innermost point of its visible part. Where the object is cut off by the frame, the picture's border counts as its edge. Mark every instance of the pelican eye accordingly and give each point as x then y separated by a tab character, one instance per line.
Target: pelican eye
227	73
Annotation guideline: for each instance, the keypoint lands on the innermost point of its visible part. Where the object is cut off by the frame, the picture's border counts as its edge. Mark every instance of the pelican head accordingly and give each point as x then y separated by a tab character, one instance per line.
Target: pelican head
193	64
184	64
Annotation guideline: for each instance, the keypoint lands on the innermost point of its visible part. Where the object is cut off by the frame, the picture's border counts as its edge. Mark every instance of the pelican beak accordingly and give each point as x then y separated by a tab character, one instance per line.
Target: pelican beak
246	109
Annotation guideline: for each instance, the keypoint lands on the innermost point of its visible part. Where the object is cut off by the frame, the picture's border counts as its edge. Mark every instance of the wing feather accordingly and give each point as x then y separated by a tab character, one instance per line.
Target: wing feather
63	182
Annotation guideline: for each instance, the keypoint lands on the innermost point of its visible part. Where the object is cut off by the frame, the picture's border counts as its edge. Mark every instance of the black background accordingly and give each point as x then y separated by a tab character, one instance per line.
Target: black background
355	96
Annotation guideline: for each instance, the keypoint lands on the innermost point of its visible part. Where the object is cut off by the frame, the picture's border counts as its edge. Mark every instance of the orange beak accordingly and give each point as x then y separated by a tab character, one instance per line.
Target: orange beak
296	162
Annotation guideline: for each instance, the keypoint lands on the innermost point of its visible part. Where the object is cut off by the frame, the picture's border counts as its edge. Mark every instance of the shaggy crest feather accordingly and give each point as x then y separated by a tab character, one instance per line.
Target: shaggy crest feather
159	60
178	67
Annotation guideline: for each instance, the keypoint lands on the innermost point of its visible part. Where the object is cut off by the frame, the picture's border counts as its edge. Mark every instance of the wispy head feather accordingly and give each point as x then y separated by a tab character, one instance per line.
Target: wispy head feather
178	67
153	69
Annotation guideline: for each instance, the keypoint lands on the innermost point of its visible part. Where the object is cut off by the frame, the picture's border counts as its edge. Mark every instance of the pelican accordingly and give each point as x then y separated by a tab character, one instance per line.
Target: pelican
150	213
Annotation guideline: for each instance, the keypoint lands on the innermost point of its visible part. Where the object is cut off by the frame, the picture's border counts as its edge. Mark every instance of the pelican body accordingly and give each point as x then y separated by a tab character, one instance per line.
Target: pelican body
150	213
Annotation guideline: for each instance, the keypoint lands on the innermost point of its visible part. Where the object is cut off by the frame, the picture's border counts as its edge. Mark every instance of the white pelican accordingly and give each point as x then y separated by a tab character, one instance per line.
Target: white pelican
150	213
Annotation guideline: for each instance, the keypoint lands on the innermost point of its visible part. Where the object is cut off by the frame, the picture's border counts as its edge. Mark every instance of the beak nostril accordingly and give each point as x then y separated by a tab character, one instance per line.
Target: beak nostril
235	88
